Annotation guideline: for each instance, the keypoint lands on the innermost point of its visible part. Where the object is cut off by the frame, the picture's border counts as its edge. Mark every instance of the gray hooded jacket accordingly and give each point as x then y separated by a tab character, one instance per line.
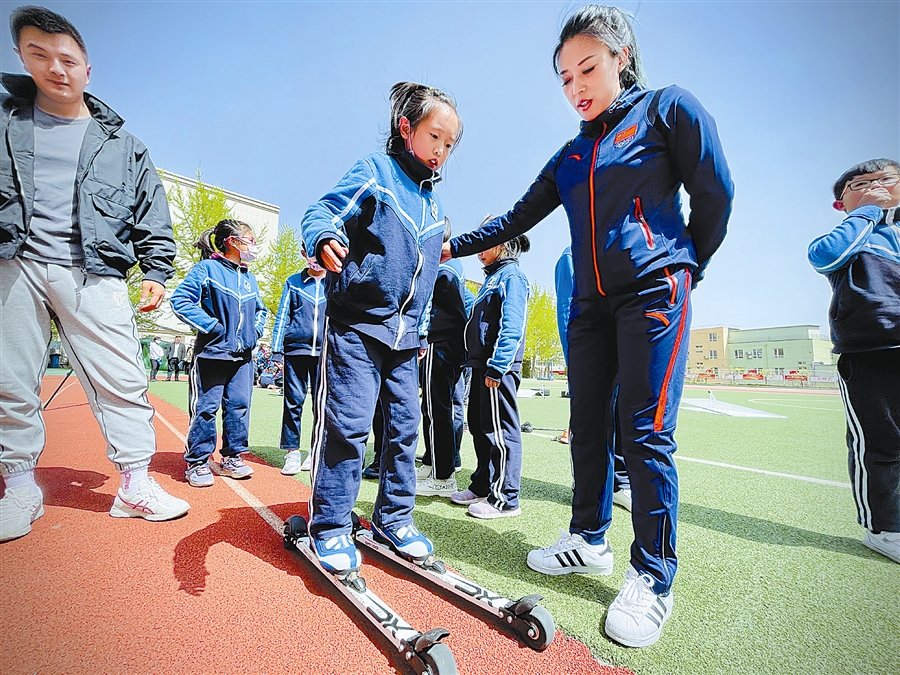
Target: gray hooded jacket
120	204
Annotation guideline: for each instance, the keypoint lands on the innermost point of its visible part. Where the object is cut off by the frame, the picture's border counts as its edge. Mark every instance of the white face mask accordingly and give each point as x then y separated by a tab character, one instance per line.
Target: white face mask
250	254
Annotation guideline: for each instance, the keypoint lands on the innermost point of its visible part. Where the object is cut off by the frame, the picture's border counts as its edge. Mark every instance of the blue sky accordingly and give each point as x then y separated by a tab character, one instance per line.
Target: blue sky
276	100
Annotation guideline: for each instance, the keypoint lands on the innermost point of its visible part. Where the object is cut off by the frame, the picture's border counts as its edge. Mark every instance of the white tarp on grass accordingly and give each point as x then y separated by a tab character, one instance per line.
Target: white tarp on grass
711	405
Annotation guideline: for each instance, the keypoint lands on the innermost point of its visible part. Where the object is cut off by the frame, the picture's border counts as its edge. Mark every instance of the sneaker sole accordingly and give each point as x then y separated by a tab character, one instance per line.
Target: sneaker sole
433	493
199	484
289	473
508	513
880	551
634	642
466	502
557	572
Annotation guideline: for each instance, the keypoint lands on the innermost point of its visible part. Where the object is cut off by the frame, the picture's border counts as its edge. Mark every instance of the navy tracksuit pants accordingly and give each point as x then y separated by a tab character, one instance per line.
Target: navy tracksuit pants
642	337
870	388
357	373
215	383
440	371
497	436
299	371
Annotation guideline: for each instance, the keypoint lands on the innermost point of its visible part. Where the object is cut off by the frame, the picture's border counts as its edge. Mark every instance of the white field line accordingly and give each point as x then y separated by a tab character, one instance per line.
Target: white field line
249	498
820	481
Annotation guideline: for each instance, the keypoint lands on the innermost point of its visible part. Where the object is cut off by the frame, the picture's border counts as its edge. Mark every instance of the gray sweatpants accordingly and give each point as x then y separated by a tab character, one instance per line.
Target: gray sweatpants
96	324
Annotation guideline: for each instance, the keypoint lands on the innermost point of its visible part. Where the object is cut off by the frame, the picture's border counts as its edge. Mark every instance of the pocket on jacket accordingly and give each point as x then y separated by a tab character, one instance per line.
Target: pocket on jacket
110	220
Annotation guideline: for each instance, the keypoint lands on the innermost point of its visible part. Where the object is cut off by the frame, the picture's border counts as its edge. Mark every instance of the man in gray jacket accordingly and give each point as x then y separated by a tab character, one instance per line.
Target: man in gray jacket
80	203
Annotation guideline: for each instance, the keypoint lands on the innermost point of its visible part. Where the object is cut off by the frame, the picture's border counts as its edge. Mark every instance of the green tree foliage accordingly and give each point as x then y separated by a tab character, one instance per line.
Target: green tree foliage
541	334
195	210
283	259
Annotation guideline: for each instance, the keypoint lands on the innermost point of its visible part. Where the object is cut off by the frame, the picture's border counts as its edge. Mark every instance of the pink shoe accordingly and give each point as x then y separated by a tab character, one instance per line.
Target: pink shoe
466	497
488	511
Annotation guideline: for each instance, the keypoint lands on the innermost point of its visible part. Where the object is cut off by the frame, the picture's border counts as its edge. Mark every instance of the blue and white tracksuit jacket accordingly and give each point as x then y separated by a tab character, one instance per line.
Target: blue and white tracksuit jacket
297	335
495	344
386	212
221	301
861	258
635	262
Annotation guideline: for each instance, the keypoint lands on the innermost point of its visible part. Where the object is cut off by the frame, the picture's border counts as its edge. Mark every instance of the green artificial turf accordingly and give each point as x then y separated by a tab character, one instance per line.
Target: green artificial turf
772	575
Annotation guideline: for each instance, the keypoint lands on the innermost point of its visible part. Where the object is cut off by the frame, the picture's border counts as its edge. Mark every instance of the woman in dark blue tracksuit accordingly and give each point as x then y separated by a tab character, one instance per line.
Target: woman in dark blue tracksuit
379	233
495	344
636	261
297	338
219	298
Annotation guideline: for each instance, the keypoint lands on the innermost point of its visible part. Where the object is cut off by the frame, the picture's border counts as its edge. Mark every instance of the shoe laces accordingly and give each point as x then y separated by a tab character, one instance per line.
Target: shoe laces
636	596
564	543
338	542
22	499
406	532
202	470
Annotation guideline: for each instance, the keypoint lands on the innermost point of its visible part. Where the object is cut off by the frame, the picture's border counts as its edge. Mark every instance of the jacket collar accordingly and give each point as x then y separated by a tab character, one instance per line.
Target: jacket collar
610	117
420	174
23	87
498	264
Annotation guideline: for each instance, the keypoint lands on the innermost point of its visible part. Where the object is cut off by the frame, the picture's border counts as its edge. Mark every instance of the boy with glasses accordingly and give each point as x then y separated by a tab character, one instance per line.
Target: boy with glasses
861	258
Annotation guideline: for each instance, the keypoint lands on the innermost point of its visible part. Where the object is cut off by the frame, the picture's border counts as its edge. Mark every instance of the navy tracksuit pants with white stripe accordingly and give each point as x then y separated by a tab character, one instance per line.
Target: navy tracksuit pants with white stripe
215	383
643	338
497	436
870	387
357	373
440	371
298	371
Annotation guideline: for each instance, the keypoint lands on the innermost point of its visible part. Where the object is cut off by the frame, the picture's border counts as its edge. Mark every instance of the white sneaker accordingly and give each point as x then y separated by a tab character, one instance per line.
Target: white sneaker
148	501
19	508
623	498
886	543
424	471
307	463
636	616
432	487
572	554
292	463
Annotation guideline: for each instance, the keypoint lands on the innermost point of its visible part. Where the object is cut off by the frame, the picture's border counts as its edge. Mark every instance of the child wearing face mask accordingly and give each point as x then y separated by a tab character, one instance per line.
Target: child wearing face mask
220	299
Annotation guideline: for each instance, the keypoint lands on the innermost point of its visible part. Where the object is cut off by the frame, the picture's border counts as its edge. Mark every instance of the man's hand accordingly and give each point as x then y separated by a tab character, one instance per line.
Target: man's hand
446	253
491	384
152	294
331	255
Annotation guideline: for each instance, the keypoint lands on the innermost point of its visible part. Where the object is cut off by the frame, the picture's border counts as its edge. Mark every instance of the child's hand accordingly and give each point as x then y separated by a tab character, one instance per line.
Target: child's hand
491	384
876	195
332	253
152	294
446	253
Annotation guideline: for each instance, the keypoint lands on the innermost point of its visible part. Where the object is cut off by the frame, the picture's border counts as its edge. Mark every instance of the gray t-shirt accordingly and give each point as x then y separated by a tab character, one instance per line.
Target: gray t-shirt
54	238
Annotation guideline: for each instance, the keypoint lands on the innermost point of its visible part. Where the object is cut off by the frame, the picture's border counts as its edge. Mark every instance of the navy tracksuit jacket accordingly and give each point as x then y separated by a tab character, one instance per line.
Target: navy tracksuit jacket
495	344
635	262
221	301
297	336
441	367
861	258
386	212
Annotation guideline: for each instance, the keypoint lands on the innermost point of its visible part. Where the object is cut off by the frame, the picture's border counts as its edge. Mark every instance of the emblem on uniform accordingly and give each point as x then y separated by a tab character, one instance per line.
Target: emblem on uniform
246	285
434	210
623	138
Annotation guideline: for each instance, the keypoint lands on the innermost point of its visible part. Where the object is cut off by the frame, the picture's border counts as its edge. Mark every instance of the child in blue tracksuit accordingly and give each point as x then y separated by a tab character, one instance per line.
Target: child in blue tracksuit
861	258
636	261
219	298
297	339
495	344
378	233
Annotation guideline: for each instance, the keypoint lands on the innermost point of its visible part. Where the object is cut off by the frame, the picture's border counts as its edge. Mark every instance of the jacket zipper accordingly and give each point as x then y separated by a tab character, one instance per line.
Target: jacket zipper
240	325
639	214
412	287
312	349
593	215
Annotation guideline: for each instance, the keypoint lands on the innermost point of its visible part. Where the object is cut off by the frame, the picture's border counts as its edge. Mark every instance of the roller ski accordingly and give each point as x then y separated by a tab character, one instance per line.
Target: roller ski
532	623
424	652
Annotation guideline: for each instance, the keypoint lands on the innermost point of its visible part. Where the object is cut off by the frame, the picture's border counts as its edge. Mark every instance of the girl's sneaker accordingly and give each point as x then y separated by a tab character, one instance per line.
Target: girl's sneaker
432	487
487	511
19	508
292	463
149	501
466	497
571	553
337	554
636	616
405	540
424	472
200	475
234	467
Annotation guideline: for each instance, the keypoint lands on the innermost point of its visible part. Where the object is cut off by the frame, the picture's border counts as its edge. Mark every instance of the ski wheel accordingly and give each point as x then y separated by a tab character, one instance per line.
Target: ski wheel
539	628
294	529
354	522
438	660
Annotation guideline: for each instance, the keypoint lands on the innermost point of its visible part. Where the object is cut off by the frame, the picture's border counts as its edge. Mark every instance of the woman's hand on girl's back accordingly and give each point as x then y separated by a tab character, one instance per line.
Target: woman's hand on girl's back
446	253
332	254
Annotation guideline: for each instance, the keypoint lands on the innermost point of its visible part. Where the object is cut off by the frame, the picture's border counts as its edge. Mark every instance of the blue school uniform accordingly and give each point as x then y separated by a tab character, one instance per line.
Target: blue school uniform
221	301
635	262
385	211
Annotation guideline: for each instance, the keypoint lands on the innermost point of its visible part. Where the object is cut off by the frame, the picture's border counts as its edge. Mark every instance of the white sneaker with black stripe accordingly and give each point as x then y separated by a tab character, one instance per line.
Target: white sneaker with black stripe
636	616
572	554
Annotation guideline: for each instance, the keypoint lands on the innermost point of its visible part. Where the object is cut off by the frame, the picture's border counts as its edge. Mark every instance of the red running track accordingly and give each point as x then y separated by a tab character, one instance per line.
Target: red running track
212	592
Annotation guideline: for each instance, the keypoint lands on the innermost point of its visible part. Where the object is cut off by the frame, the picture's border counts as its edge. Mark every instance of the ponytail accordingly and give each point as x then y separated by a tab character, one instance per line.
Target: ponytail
213	240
